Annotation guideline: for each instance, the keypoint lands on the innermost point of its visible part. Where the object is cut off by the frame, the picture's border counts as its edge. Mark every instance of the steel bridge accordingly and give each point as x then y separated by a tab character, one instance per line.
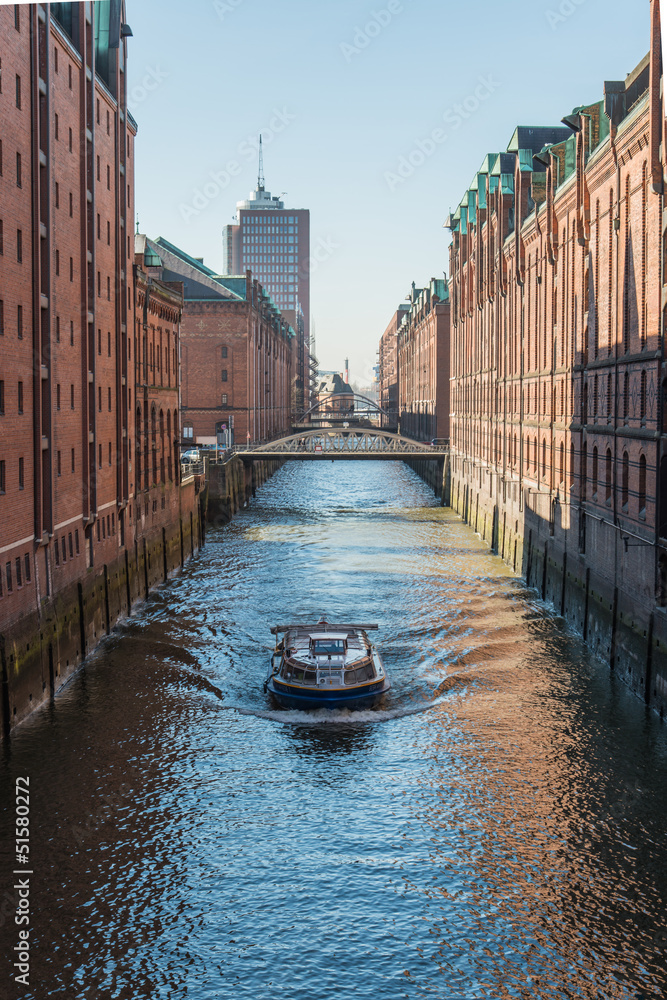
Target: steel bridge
353	443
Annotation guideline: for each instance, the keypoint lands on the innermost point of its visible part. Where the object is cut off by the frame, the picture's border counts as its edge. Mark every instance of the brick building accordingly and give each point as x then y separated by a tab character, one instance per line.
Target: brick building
70	554
559	415
237	354
388	366
423	363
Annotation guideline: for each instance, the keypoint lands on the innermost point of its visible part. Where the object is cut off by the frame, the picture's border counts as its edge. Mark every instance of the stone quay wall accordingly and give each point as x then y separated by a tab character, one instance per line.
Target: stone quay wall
42	649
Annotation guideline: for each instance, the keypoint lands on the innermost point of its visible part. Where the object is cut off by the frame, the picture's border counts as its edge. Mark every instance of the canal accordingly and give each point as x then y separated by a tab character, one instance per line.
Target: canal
495	830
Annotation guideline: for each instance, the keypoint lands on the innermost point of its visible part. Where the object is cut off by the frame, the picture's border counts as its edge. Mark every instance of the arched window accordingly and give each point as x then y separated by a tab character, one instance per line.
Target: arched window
162	449
596	400
584	472
170	444
137	431
642	491
609	399
561	463
594	475
544	458
626	396
625	481
607	478
571	465
154	443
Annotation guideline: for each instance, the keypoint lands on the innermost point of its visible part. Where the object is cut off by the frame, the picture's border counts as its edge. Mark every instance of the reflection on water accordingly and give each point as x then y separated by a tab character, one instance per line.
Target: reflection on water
496	829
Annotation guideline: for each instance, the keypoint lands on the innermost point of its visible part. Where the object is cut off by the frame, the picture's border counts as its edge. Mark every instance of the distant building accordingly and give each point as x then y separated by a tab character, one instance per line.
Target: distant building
334	394
274	243
424	363
237	354
388	364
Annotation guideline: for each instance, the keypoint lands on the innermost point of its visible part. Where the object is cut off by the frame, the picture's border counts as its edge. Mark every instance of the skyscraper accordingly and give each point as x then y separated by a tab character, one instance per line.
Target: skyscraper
274	243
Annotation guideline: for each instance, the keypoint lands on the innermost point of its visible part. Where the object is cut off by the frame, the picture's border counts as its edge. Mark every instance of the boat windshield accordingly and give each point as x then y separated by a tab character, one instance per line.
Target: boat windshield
324	647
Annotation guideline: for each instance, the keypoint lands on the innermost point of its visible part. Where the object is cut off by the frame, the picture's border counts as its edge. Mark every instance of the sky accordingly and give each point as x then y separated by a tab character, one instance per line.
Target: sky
375	116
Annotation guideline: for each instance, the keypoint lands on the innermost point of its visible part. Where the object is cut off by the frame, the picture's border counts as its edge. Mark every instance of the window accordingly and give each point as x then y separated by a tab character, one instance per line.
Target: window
71	397
71	143
109	234
594	476
607	478
99	399
71	331
2	476
58	396
99	341
19	246
109	400
26	563
21	475
109	452
60	469
642	487
62	542
76	540
73	469
8	573
2	238
19	322
224	399
2	317
224	352
70	546
18	91
71	269
71	204
99	226
2	396
17	16
57	262
224	374
625	481
55	126
20	397
100	456
98	168
108	178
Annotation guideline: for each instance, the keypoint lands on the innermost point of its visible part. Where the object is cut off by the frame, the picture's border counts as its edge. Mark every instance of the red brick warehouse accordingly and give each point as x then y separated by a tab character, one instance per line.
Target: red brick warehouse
238	354
559	453
91	508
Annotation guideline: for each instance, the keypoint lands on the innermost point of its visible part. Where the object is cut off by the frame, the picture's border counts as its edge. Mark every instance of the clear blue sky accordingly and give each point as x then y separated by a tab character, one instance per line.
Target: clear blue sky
206	76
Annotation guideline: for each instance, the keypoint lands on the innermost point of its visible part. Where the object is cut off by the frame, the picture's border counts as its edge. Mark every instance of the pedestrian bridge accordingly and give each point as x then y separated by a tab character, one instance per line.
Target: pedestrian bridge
333	444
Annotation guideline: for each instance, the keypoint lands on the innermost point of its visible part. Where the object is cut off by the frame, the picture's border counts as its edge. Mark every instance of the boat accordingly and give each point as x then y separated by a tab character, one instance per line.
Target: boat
325	666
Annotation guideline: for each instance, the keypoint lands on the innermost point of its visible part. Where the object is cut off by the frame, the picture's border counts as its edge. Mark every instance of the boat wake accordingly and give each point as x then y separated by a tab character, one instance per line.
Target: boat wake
337	717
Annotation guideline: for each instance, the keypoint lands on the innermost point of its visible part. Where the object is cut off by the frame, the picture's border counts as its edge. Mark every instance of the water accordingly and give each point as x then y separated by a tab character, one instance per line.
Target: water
496	829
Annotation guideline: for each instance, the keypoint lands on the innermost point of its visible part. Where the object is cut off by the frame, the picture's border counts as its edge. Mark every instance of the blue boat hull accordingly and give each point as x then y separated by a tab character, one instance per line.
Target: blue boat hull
308	700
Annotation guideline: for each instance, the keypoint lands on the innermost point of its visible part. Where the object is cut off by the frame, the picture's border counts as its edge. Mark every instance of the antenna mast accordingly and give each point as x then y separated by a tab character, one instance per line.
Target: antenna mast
260	175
